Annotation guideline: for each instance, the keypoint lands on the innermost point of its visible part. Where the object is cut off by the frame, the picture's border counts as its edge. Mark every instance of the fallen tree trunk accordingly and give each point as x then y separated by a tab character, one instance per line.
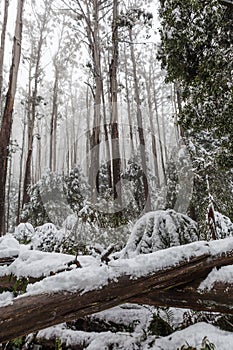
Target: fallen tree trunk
218	299
169	286
160	285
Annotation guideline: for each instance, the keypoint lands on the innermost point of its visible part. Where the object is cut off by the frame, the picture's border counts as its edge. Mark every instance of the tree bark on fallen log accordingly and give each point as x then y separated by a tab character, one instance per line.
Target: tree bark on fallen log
171	286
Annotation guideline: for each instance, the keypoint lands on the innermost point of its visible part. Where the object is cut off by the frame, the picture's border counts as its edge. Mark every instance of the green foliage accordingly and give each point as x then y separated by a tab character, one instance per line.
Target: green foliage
196	50
16	344
225	322
20	286
159	326
58	344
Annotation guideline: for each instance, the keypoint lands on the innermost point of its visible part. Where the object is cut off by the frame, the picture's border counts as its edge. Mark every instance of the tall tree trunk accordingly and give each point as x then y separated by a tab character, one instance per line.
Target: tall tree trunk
88	136
128	102
164	126
7	118
107	122
33	101
2	47
21	171
107	142
37	168
116	159
30	129
152	128
159	132
94	42
53	125
140	126
9	192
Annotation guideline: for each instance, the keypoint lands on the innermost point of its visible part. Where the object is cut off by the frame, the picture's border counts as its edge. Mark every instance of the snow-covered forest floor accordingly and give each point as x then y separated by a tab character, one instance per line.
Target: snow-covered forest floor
126	326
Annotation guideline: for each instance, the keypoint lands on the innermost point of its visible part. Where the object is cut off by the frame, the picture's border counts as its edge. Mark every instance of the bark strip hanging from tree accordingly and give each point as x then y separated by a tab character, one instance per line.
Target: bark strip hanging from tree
32	313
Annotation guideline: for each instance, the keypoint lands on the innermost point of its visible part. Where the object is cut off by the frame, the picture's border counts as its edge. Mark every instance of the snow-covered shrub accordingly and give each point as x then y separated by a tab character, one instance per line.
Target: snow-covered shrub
77	189
48	202
69	222
46	238
224	226
24	232
9	246
34	211
159	230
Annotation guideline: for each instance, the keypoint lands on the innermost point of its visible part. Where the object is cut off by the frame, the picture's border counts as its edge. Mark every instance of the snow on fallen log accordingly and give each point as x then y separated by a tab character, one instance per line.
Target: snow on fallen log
77	293
33	265
9	250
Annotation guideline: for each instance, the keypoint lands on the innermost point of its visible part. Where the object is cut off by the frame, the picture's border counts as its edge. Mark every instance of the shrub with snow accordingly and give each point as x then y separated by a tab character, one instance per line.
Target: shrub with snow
224	226
9	246
159	230
24	232
46	238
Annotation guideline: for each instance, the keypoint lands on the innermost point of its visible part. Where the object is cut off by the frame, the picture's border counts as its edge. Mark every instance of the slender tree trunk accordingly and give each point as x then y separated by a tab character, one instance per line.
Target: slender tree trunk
2	47
21	172
159	132
88	136
164	129
107	142
94	42
7	118
128	103
53	125
32	107
140	126
152	128
30	130
107	122
9	192
116	158
37	168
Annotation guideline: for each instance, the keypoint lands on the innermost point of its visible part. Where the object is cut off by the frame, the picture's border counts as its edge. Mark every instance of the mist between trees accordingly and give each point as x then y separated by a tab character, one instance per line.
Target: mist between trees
110	110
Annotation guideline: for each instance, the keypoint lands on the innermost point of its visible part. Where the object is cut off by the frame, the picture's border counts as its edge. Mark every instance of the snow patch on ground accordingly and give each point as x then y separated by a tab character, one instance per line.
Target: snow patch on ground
192	336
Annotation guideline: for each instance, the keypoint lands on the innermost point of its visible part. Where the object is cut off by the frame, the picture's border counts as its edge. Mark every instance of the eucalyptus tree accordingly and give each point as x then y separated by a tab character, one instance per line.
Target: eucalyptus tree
37	32
2	46
116	157
63	62
128	20
89	14
7	118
